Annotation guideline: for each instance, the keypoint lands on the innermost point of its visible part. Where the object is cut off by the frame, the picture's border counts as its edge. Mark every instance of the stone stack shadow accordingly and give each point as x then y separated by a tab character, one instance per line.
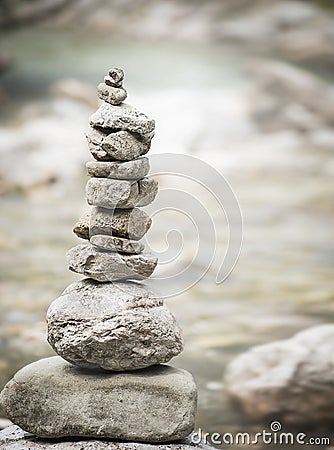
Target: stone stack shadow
111	332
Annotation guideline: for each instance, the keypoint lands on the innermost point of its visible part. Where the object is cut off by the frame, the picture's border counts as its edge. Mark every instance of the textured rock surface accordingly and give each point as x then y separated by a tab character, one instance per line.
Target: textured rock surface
113	326
110	94
127	223
109	266
115	77
14	438
81	228
291	379
130	170
116	244
52	398
105	145
109	193
122	117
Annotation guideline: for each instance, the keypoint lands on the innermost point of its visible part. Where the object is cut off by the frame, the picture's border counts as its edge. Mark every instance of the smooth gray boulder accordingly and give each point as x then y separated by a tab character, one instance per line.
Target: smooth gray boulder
129	170
123	117
291	380
108	145
14	438
52	398
109	266
128	223
116	244
110	194
113	326
110	94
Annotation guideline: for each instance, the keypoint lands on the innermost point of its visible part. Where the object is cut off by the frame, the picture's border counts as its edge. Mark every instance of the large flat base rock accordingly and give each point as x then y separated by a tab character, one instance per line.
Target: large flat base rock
52	399
14	438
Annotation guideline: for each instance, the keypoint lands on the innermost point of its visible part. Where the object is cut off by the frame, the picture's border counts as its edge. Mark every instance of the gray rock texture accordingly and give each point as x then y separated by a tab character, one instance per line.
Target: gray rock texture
110	94
109	266
113	326
116	244
123	117
81	228
129	170
115	77
110	194
106	145
14	438
128	223
291	380
52	398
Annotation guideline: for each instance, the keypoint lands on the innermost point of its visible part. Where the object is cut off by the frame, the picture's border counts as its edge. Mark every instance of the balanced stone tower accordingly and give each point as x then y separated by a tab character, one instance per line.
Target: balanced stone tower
112	334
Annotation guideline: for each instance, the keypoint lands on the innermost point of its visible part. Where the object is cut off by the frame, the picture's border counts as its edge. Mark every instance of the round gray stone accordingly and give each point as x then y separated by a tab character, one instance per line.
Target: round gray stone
113	326
128	223
123	117
110	266
291	380
110	194
14	438
116	244
108	145
52	398
110	94
129	170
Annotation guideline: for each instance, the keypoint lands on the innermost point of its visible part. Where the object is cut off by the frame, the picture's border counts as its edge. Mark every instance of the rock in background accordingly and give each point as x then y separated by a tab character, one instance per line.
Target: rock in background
290	380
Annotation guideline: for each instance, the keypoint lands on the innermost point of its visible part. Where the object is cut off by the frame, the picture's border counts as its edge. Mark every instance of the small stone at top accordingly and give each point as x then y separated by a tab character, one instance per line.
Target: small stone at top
115	77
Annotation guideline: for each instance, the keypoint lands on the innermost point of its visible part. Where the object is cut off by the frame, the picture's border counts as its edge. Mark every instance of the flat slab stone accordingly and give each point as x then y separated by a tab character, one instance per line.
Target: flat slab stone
110	194
14	438
116	244
123	117
52	398
110	266
129	170
113	326
108	145
111	94
128	223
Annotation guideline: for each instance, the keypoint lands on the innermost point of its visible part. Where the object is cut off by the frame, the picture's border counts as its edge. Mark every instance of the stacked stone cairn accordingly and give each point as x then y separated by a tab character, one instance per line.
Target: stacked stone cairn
112	334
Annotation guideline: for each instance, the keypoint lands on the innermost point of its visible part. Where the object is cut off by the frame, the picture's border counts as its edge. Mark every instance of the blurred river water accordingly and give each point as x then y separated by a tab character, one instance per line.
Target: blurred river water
199	95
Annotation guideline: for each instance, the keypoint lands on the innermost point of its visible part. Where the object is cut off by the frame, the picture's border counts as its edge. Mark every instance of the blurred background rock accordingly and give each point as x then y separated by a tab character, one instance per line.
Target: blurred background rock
246	86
